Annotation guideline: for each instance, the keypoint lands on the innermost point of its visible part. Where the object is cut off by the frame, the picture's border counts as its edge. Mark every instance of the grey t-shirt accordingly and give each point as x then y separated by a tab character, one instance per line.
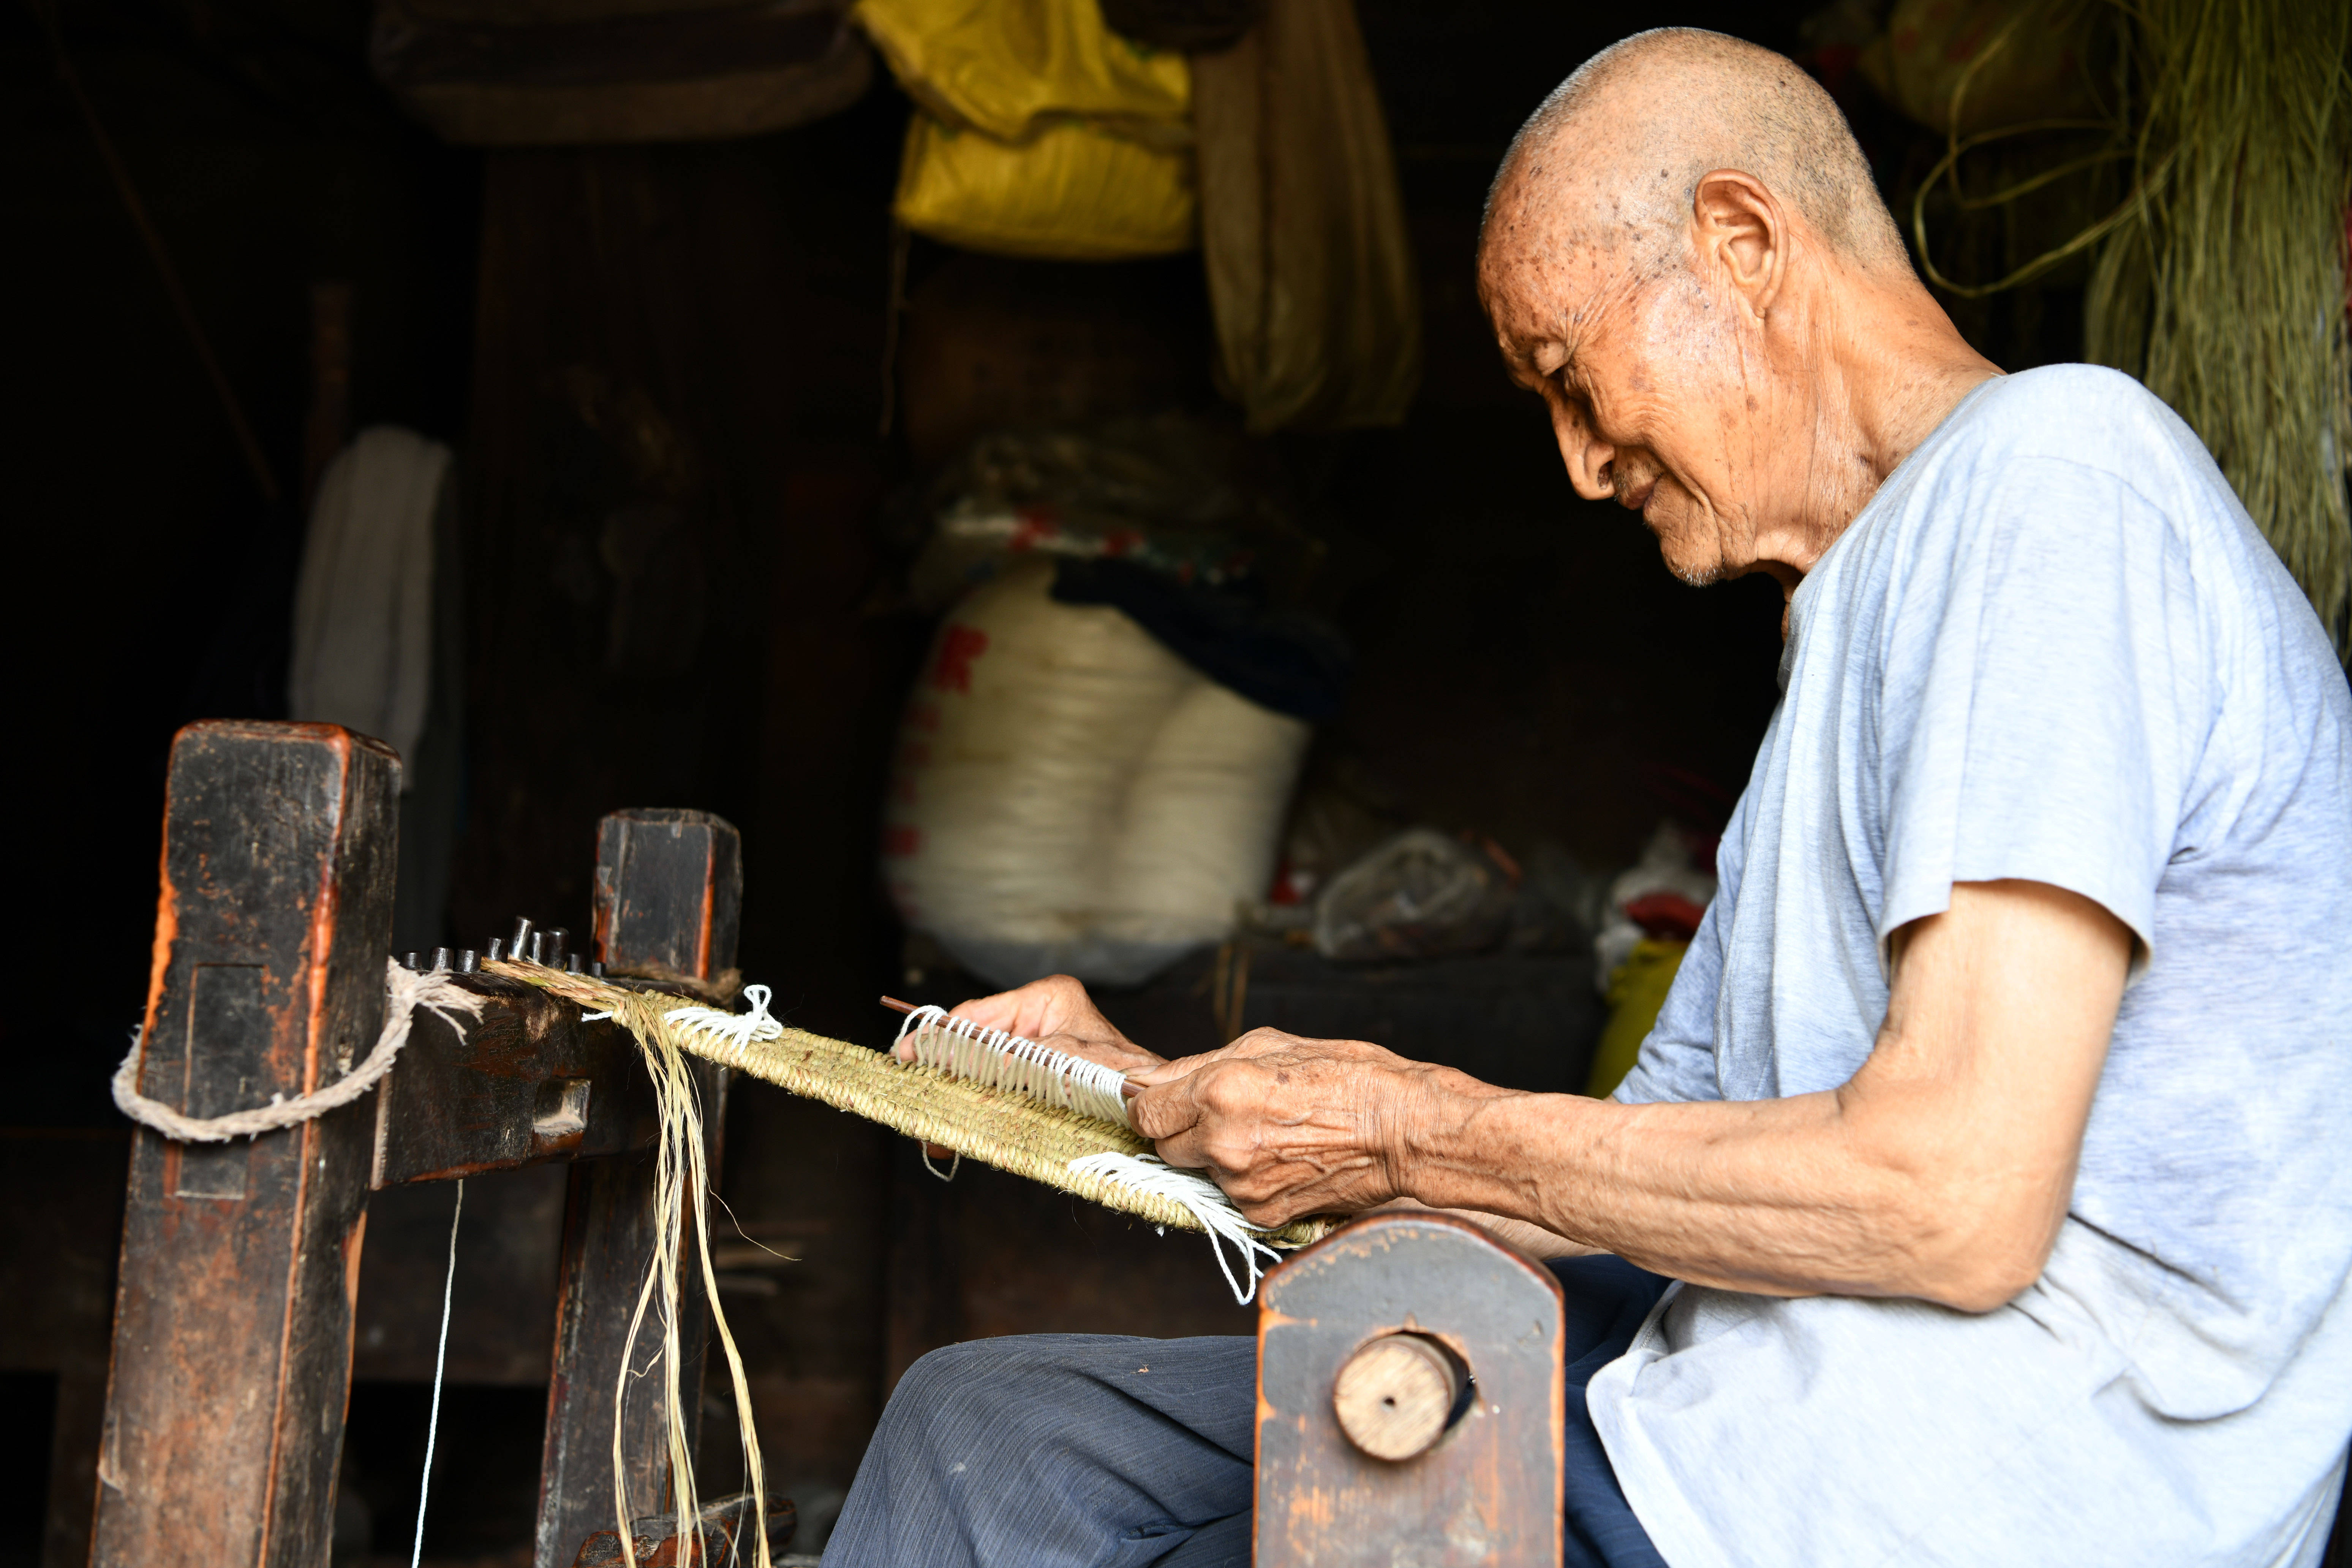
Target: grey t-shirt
2053	647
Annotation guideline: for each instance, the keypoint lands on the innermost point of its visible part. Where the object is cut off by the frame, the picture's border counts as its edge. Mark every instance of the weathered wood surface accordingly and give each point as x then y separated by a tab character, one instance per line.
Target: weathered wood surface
1487	1491
669	897
1395	1396
669	893
238	1260
525	1082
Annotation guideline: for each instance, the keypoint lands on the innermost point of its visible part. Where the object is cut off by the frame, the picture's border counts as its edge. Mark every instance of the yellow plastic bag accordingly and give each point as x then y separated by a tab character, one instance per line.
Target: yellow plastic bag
1041	133
1074	193
1009	66
1636	991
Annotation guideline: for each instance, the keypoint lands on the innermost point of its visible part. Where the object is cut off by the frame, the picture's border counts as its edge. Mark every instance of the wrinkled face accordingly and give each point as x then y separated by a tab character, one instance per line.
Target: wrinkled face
1654	378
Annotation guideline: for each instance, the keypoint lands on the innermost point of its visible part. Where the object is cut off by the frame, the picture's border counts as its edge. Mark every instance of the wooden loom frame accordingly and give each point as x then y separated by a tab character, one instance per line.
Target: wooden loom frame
231	1346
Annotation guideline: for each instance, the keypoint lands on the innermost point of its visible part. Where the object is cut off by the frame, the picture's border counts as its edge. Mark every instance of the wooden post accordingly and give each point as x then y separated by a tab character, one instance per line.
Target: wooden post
1391	1303
669	894
276	915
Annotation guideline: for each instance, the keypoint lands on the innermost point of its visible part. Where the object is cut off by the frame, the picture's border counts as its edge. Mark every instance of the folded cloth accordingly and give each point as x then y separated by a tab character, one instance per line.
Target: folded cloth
362	653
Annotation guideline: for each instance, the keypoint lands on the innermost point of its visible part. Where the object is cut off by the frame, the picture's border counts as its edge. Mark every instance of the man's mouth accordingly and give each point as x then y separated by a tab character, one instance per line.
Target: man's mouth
1638	497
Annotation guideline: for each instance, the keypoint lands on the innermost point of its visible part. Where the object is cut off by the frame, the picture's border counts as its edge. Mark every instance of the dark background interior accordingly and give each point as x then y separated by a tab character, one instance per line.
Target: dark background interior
1525	667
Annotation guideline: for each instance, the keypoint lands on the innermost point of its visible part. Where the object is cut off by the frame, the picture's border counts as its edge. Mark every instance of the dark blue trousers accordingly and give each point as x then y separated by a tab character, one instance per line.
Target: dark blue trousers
1101	1451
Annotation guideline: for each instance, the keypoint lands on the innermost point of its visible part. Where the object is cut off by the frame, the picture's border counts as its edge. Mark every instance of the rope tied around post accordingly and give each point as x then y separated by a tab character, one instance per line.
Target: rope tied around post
405	991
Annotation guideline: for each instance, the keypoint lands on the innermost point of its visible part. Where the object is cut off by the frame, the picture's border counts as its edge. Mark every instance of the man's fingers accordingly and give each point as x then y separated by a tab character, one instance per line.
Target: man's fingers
1163	1111
1168	1070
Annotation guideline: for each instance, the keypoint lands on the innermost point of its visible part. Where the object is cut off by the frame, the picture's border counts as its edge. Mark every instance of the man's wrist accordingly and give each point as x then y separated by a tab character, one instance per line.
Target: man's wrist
1457	1145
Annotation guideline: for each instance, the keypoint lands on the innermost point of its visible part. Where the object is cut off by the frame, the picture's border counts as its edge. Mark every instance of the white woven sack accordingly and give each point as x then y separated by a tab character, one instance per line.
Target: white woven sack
1070	797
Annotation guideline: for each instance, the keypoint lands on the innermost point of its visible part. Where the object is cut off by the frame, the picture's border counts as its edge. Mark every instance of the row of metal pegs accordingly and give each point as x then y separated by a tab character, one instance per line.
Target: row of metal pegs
551	947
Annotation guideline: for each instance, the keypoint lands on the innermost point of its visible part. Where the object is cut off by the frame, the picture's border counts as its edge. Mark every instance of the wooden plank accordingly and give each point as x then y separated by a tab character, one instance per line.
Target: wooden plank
1487	1491
239	1260
669	893
525	1082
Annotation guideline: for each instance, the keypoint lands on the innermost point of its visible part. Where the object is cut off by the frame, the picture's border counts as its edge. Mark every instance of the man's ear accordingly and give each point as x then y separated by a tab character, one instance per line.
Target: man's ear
1738	223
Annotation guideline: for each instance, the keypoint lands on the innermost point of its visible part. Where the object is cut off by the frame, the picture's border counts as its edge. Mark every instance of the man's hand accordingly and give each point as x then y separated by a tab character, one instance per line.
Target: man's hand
1289	1126
1056	1012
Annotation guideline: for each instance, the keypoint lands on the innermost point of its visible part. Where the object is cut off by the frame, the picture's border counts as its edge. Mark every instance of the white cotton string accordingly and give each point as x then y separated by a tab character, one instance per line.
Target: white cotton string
739	1030
440	1363
962	1049
1203	1197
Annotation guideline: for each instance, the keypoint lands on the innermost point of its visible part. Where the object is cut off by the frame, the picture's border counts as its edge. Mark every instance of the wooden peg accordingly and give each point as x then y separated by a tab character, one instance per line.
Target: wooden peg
1392	1396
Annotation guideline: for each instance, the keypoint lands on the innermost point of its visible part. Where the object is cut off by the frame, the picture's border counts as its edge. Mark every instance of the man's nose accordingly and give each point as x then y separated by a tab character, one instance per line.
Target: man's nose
1588	458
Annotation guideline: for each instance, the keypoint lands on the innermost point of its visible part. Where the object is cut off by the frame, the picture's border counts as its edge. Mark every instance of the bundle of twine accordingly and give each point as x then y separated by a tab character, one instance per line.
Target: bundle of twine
2219	279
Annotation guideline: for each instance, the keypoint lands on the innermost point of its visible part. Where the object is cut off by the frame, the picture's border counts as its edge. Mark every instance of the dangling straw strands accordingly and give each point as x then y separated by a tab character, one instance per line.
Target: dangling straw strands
2219	280
681	1186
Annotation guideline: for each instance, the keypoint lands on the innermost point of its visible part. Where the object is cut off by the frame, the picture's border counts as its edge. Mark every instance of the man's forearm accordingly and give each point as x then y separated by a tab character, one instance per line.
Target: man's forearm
1942	1169
1767	1195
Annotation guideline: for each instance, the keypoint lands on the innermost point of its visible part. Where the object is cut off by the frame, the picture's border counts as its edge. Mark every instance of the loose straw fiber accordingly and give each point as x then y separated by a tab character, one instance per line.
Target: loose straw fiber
996	1127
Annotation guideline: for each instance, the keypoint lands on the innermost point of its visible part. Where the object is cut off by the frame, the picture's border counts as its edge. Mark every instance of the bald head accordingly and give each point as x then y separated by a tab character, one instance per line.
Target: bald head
1685	257
1618	149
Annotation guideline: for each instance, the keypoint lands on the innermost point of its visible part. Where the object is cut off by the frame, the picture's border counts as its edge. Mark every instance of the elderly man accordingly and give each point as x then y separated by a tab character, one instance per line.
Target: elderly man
1995	1130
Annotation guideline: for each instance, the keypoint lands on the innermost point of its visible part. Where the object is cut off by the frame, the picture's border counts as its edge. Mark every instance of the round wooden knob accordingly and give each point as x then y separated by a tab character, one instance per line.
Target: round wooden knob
1393	1396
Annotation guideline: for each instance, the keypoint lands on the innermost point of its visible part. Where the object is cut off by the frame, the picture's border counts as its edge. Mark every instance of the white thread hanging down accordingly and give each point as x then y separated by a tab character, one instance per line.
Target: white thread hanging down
1206	1200
440	1365
962	1049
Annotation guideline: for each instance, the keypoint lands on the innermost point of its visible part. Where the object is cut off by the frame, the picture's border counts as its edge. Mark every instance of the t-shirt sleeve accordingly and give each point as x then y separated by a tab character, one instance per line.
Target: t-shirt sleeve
2042	695
1678	1058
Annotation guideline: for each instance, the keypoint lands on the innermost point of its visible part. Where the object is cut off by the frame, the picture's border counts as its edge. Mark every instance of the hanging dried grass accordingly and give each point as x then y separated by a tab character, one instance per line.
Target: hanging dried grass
2219	280
2225	290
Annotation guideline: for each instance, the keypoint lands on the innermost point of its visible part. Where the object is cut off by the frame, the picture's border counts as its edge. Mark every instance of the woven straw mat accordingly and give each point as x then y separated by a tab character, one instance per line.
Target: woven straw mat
997	1126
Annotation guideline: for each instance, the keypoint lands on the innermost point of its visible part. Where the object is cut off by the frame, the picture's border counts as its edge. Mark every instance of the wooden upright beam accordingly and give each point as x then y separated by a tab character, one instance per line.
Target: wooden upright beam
669	895
240	1260
1362	1310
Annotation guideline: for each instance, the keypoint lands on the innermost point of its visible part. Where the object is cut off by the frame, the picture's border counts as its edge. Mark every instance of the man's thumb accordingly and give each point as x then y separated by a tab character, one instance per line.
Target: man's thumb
1162	1111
